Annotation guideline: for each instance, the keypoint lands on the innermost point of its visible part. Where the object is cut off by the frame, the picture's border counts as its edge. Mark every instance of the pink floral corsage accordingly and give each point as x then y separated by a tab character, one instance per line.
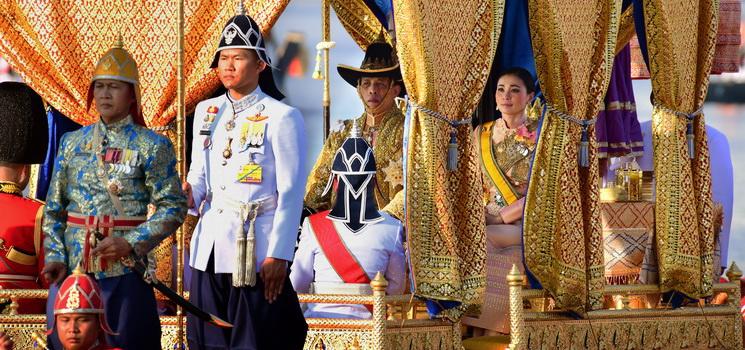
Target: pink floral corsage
523	135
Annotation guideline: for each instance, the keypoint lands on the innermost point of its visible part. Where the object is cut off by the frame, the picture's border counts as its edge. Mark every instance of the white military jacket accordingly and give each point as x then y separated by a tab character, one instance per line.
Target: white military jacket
277	158
377	247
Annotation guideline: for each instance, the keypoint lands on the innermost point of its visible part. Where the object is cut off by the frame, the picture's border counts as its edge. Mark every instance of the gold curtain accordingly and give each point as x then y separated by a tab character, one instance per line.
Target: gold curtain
359	21
625	28
445	50
681	37
54	46
574	45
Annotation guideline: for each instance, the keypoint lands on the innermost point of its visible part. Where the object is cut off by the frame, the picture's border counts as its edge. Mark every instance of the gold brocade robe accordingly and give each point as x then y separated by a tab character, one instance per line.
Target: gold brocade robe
388	149
513	154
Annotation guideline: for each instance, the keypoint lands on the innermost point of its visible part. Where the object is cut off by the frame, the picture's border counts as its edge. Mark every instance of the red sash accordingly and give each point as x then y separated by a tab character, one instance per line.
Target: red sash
340	258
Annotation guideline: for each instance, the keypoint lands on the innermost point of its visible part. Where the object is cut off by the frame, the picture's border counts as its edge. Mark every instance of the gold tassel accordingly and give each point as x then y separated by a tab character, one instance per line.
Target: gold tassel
250	251
317	75
239	274
240	266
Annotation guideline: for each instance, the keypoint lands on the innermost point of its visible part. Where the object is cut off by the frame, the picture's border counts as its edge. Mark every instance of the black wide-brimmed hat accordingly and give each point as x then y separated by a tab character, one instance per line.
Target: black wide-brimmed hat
23	125
380	61
242	32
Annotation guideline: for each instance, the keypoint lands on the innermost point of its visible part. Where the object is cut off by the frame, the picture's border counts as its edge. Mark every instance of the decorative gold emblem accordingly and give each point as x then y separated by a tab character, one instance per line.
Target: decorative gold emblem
73	299
228	152
115	187
394	173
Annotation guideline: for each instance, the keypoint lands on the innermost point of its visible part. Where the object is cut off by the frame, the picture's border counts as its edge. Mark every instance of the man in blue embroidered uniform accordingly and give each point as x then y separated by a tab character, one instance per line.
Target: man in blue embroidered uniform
246	183
105	175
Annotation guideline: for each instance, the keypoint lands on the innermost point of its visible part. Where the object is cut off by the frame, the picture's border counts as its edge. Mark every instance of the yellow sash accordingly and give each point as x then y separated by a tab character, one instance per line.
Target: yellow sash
489	162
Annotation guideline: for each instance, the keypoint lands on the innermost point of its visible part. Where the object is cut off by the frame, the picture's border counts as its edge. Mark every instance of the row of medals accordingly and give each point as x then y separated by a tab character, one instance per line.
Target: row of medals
125	166
246	142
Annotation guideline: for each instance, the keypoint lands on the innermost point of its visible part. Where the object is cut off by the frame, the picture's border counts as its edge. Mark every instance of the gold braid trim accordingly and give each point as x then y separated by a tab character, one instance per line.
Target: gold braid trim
625	28
359	21
10	188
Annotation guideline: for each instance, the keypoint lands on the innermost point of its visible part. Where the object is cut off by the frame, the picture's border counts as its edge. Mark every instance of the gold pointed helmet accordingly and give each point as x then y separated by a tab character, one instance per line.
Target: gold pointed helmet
118	64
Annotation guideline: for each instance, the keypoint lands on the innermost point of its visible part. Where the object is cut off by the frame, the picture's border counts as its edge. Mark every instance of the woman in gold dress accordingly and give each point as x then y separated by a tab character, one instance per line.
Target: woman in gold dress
506	147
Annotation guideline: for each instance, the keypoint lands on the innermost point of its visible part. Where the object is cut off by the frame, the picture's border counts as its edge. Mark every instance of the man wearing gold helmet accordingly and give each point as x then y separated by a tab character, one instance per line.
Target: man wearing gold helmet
105	175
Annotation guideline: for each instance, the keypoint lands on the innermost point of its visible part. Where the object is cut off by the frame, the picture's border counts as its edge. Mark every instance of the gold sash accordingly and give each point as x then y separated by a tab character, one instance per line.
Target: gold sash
489	162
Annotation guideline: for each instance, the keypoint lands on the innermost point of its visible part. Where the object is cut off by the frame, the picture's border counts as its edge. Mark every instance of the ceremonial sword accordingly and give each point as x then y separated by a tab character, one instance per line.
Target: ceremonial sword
140	267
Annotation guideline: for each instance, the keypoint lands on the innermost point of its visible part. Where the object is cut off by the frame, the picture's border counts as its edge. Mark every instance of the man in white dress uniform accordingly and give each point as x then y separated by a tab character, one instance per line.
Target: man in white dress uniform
246	184
342	249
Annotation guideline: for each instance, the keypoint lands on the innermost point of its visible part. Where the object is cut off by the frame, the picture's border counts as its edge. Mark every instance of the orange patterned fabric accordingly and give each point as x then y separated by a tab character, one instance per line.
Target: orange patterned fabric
638	66
54	46
615	215
628	236
726	54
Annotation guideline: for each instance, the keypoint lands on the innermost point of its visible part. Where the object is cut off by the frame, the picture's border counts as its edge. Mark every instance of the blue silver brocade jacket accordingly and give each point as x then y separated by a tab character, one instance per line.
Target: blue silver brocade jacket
76	187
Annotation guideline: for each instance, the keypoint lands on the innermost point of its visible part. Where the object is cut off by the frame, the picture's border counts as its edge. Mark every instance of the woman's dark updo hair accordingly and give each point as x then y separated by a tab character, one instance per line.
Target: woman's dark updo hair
521	73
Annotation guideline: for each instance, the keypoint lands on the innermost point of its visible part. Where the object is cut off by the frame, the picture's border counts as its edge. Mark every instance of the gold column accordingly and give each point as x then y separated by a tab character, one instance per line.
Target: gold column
379	285
517	323
326	38
734	274
181	159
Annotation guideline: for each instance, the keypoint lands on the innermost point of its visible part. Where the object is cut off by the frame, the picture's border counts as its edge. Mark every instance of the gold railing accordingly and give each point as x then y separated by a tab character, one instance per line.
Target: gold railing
397	323
658	327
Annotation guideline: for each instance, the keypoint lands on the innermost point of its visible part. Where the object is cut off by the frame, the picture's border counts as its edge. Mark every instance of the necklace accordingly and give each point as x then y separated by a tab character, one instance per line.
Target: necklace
239	106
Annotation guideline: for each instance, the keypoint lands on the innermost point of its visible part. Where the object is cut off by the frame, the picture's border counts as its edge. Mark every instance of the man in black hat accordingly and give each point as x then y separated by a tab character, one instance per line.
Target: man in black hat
23	141
378	83
246	184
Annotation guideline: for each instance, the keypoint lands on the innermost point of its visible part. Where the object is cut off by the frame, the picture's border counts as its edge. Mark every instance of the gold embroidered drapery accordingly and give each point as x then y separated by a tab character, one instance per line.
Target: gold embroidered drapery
574	45
445	50
359	21
681	37
54	46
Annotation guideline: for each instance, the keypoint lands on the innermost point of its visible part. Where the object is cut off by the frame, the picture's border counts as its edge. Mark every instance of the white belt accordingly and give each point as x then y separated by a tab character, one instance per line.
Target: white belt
266	205
4	277
342	288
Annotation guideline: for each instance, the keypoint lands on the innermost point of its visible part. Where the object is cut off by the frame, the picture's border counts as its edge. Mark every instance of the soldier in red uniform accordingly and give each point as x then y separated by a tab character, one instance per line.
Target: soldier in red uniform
79	314
23	141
